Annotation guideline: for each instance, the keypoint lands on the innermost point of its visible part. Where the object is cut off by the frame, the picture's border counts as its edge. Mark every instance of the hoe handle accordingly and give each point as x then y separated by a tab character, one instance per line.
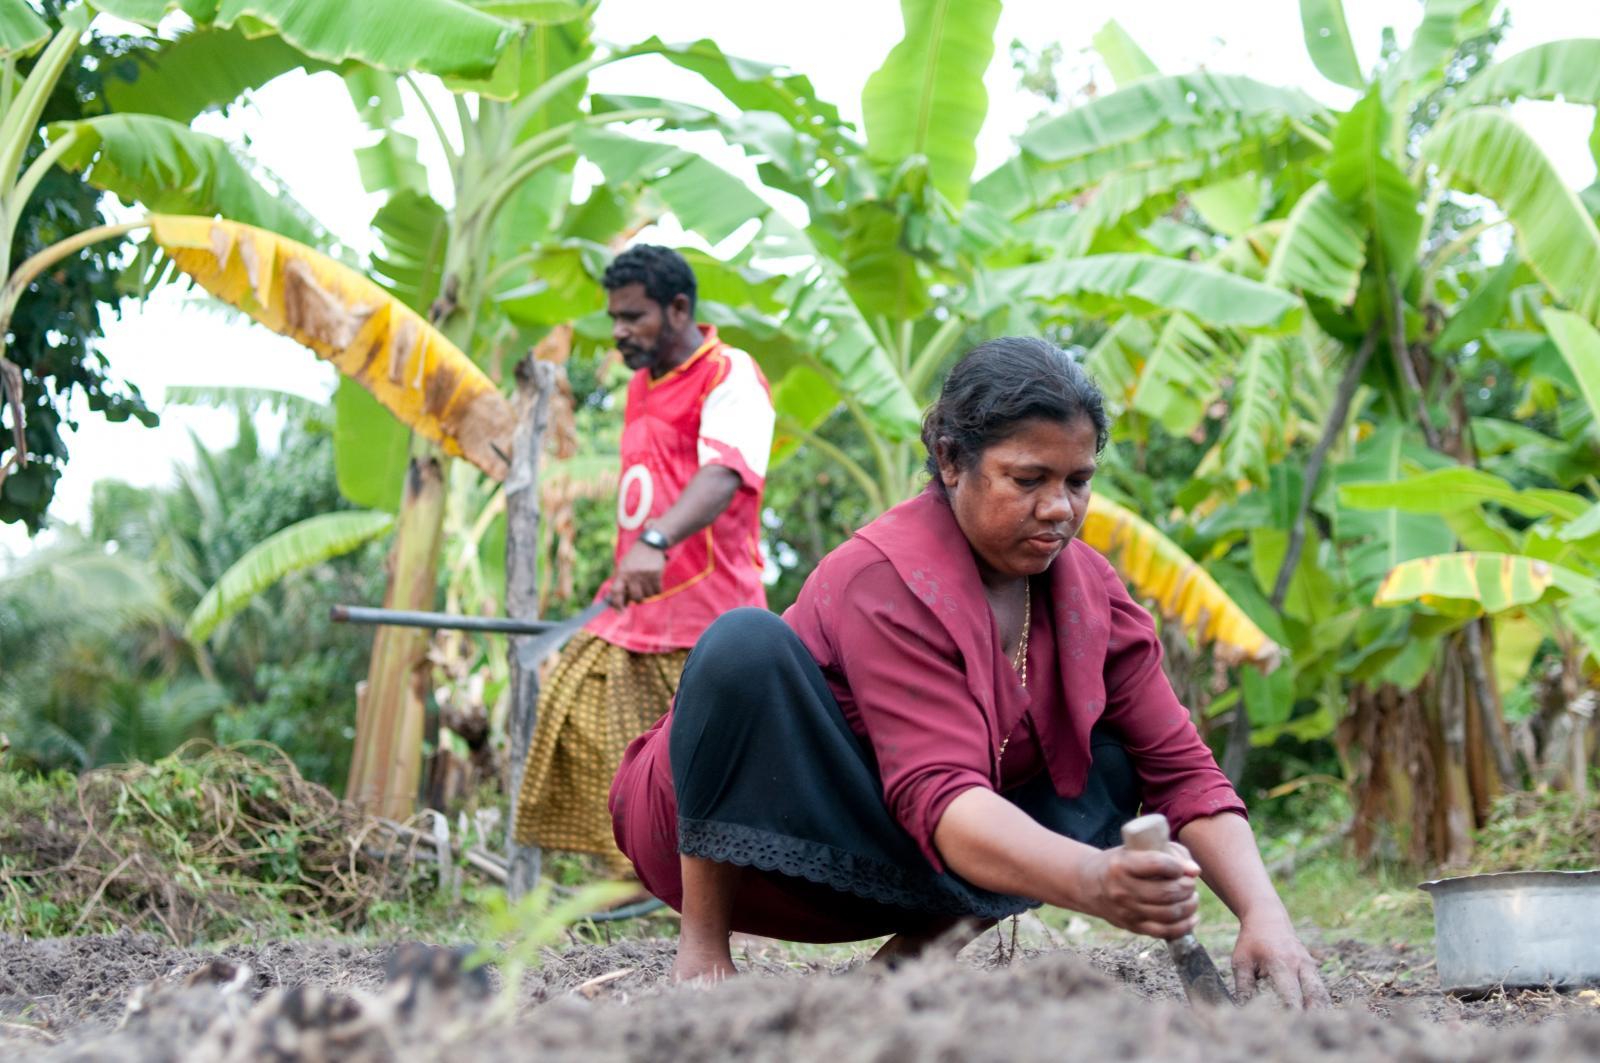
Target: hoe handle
1150	832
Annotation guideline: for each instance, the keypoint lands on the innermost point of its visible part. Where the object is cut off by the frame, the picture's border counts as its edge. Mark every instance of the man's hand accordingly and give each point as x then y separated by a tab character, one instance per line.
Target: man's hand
1268	948
1145	892
638	575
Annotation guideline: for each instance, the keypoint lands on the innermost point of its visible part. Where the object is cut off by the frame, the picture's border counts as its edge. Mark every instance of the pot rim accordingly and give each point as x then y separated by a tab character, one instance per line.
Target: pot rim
1508	878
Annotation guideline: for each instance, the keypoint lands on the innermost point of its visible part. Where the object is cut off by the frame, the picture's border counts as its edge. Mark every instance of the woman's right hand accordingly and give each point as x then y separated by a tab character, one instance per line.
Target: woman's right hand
1146	892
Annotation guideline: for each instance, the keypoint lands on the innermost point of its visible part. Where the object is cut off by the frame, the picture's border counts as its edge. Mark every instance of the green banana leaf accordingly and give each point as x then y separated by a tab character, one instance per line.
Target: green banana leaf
1180	376
291	549
565	288
928	97
444	37
1459	487
169	168
1141	194
1313	596
880	277
150	12
1129	198
1206	118
1250	253
751	86
1122	55
1492	436
248	400
1579	344
1566	70
1231	206
1116	360
1516	640
538	12
734	283
415	231
1445	24
823	317
1374	186
1484	309
549	49
197	71
1486	152
376	96
1584	527
371	448
1464	584
1256	414
1321	250
804	400
704	197
1131	115
1328	41
1144	282
1582	614
391	165
21	30
1375	540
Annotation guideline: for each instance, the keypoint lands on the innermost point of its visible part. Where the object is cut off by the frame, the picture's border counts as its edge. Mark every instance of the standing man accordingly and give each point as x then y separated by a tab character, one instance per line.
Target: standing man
696	437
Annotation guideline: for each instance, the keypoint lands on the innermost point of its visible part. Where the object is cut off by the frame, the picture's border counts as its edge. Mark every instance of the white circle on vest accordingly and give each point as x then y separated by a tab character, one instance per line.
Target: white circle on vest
629	519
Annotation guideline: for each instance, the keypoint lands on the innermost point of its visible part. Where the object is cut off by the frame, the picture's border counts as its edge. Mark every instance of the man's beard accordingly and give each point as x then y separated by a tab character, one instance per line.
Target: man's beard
637	358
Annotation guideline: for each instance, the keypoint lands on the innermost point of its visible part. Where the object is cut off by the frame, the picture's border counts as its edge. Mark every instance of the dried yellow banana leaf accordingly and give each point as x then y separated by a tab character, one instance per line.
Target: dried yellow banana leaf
1158	570
374	339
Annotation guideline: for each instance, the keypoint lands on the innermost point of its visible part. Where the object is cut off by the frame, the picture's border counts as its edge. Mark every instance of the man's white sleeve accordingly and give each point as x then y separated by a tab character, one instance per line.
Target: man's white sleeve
736	422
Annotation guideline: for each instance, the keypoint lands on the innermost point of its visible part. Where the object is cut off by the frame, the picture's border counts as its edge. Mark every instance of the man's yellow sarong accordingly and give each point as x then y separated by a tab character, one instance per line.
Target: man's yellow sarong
599	697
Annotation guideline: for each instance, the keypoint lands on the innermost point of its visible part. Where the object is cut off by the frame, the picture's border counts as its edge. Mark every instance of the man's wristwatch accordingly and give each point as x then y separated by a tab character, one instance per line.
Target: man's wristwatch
654	537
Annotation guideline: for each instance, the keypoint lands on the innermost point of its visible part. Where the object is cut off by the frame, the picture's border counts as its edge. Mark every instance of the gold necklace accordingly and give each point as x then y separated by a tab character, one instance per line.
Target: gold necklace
1019	660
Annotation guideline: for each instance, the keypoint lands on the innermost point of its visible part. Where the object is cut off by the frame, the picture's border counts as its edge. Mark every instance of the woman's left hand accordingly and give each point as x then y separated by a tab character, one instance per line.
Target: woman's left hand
1269	948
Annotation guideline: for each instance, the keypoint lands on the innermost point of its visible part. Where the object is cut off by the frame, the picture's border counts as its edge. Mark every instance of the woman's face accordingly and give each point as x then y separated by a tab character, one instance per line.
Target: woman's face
1025	497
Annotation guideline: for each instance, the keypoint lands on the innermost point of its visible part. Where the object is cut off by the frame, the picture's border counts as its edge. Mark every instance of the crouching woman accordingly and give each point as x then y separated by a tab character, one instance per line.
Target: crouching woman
951	723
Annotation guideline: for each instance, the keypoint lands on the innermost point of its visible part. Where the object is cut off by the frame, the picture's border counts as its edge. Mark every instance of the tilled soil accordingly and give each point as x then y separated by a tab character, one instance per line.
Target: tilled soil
132	997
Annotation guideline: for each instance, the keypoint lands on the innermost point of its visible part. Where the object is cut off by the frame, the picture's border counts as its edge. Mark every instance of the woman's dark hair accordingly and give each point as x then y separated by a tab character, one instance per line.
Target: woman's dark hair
996	387
662	271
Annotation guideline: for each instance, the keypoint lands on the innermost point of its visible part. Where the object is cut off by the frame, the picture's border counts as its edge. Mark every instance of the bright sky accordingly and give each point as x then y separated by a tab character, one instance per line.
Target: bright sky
303	128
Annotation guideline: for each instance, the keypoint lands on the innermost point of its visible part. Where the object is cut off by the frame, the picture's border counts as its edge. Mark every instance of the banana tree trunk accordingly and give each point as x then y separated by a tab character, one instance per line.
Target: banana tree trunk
387	761
1453	800
1391	770
1411	765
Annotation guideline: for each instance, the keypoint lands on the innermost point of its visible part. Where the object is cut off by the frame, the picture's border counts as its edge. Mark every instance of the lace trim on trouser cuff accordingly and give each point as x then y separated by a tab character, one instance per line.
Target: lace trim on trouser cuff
873	880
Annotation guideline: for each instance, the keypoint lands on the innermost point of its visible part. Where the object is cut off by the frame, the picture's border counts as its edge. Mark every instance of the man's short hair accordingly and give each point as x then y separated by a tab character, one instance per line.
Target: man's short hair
662	271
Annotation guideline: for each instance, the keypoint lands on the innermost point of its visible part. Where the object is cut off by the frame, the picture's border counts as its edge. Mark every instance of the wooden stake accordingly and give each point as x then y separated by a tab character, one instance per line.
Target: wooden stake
536	382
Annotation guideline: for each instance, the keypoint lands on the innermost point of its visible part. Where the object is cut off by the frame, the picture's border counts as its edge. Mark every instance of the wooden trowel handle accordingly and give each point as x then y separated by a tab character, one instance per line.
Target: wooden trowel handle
1196	972
1149	832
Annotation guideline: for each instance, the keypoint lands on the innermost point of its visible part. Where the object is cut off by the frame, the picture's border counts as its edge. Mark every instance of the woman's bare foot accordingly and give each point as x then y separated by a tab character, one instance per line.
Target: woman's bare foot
703	964
945	938
709	889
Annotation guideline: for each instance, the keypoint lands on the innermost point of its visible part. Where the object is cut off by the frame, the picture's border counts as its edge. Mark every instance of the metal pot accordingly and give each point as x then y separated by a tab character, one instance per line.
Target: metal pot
1517	929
